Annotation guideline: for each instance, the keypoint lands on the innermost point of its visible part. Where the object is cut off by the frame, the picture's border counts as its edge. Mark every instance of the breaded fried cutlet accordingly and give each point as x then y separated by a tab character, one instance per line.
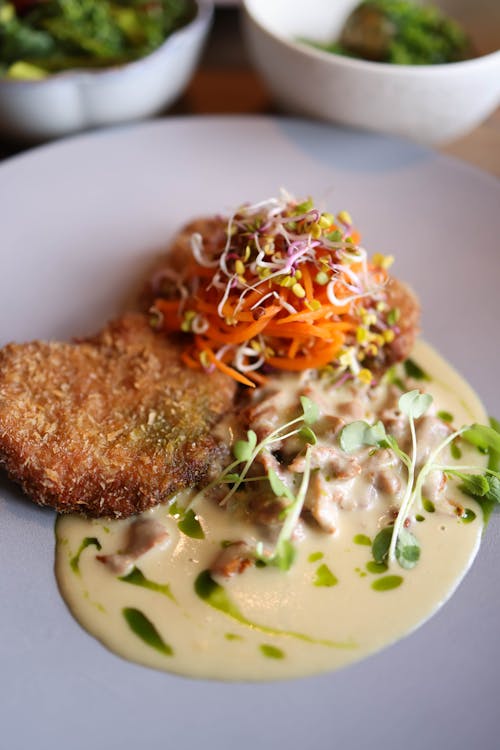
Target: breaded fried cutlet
115	424
398	296
401	298
110	425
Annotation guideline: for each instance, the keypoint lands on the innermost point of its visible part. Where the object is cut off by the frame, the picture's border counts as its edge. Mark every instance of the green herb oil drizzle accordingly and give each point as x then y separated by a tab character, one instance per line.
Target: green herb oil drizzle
386	583
190	526
216	596
87	542
137	578
325	577
271	652
468	516
376	567
363	540
315	556
145	630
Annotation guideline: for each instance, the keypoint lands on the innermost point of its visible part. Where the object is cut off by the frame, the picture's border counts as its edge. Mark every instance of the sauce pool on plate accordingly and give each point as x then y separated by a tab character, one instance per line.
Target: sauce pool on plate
336	604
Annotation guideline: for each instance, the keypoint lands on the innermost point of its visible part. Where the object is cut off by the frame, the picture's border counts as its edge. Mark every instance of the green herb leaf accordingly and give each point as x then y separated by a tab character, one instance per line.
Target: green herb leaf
284	552
381	544
494	461
407	549
480	485
494	490
352	436
391	442
483	437
310	409
485	489
230	478
414	404
243	449
308	435
359	434
278	486
284	555
476	485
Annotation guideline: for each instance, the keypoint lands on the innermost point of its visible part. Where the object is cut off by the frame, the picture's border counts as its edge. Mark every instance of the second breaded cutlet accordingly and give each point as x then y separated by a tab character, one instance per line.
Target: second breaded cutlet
111	425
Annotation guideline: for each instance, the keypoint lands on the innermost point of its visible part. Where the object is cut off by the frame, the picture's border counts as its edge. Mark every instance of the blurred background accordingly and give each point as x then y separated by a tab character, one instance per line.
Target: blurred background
226	81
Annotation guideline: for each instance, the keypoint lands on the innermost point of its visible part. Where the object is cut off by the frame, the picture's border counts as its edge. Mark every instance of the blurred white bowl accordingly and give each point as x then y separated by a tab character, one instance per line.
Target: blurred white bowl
76	100
428	103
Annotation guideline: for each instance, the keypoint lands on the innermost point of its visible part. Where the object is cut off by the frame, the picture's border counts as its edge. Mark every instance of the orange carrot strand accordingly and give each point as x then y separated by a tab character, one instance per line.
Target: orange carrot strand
228	370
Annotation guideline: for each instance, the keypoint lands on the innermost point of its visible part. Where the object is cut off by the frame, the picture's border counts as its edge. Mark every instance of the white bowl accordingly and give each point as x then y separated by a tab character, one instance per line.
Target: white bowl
428	103
76	100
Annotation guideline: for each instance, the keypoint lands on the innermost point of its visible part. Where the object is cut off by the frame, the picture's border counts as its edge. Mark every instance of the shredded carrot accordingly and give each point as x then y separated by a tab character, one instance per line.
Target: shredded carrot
257	377
189	361
251	299
307	282
167	305
307	362
294	347
269	299
301	329
224	334
308	315
228	370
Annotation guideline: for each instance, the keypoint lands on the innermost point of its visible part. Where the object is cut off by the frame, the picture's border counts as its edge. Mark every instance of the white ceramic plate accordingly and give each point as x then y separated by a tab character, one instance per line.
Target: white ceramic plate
80	220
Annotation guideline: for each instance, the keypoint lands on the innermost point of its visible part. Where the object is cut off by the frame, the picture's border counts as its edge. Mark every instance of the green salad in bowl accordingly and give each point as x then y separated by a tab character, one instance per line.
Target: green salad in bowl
41	37
401	32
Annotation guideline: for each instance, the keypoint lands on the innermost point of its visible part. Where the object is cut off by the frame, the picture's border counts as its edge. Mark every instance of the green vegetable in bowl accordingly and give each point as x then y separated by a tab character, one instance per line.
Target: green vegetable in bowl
39	37
401	32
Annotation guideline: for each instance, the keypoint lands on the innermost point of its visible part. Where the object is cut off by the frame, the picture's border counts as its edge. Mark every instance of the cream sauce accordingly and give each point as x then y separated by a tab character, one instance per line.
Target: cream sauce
333	607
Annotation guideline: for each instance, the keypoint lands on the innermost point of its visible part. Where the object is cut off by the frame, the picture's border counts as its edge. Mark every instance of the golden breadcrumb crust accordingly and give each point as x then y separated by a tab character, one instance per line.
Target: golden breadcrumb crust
115	424
111	425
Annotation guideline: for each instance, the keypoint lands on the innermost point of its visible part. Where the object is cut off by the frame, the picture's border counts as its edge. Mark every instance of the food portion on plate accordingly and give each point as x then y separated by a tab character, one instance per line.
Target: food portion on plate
284	286
110	425
40	38
320	480
401	32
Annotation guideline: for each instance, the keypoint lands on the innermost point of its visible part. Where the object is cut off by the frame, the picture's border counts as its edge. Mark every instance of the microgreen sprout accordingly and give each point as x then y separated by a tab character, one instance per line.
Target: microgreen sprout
254	285
246	452
396	542
284	551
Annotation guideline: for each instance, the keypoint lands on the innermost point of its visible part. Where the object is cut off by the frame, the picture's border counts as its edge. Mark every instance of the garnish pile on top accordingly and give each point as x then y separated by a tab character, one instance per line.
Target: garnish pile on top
288	288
